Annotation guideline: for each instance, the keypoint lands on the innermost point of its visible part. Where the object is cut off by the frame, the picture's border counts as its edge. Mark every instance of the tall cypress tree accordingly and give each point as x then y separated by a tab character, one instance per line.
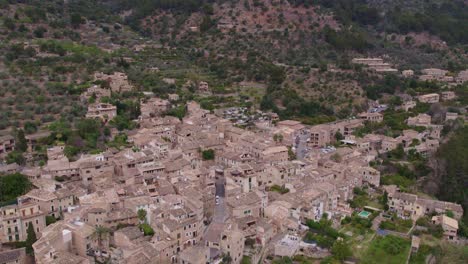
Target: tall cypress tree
31	238
21	144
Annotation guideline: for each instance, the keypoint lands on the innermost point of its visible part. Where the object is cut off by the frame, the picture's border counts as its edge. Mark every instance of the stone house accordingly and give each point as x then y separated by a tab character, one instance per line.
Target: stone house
429	98
51	203
15	220
7	145
447	95
103	111
449	225
371	117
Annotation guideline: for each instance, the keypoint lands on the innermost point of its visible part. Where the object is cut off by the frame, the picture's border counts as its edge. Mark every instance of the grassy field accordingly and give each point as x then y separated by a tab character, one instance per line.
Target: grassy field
421	255
387	250
359	240
452	254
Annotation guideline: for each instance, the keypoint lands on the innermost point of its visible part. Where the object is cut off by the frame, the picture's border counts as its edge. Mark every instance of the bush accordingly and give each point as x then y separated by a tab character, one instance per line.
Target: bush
397	224
208	154
50	220
147	229
279	189
15	157
341	250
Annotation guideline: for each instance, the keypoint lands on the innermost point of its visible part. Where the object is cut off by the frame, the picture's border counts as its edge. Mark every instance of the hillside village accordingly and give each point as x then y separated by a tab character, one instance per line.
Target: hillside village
233	131
201	189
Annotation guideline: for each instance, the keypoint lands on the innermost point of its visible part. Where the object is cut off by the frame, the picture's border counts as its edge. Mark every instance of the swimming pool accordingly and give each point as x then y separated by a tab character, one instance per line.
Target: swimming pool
364	214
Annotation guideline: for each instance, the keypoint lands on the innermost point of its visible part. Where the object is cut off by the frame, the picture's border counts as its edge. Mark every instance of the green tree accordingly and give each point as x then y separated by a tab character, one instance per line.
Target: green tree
70	151
384	200
208	154
21	142
39	32
60	129
278	138
122	123
246	260
31	238
147	229
206	24
50	220
291	154
100	234
9	23
15	157
339	136
178	112
76	20
30	127
227	259
142	215
398	153
341	250
13	185
449	213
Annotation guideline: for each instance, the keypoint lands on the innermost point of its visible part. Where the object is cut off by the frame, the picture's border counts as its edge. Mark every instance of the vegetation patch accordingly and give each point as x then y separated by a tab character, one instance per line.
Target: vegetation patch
387	250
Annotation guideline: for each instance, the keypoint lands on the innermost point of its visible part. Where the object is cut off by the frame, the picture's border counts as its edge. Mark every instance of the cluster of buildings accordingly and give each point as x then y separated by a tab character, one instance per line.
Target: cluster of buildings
411	206
376	64
434	74
431	74
116	82
435	97
200	209
166	175
103	111
242	116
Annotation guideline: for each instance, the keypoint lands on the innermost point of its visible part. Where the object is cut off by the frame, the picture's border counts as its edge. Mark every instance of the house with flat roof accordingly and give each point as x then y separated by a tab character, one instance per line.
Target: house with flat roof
429	98
103	111
371	117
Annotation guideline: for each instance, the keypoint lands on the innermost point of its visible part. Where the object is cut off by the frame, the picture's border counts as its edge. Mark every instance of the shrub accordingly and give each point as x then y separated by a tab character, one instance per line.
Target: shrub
50	220
208	154
147	229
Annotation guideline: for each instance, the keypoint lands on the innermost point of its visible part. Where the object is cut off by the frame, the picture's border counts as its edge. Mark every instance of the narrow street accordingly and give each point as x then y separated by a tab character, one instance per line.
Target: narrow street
220	211
301	144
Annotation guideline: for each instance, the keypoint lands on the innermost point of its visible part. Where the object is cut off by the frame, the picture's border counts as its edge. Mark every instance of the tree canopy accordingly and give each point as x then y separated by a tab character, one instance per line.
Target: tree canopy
12	186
